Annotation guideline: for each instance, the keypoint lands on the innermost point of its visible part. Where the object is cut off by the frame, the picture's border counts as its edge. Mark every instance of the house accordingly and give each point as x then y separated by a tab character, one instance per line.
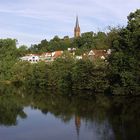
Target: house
47	57
99	54
50	56
33	58
56	54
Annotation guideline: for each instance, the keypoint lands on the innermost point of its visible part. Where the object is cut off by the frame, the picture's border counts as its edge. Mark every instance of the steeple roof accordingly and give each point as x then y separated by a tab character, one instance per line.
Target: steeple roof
77	22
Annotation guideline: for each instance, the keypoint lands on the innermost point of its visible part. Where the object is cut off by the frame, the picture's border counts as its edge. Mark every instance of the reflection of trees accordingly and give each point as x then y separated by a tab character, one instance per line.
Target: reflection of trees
103	131
114	117
124	117
10	109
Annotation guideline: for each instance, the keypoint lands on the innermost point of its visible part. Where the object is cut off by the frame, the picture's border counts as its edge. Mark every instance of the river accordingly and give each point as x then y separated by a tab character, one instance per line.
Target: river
32	114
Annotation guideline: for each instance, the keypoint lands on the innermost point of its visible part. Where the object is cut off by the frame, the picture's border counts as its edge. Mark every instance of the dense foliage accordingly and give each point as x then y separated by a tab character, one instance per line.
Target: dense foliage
124	63
86	41
8	55
63	73
120	75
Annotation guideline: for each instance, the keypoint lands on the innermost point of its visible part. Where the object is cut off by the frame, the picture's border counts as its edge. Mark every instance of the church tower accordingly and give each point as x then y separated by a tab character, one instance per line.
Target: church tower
77	28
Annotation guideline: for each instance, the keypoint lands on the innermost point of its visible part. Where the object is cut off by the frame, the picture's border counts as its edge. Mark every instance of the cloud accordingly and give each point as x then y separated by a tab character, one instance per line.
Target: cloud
32	20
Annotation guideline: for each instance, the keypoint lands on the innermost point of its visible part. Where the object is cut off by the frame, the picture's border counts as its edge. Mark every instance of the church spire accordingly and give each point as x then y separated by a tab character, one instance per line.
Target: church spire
77	28
77	22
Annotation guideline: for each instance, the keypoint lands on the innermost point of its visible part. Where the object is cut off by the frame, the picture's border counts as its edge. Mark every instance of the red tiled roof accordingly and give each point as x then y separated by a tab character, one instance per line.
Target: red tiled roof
47	53
58	54
97	54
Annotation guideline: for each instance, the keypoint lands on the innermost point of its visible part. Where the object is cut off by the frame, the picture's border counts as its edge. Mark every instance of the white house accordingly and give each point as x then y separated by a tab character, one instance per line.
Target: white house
30	58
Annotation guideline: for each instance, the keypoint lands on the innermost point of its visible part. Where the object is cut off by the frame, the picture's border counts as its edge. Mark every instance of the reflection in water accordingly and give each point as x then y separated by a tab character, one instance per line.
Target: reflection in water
77	124
52	115
102	131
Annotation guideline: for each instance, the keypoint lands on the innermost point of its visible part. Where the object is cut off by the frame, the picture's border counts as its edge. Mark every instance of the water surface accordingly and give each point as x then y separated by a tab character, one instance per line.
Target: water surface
42	115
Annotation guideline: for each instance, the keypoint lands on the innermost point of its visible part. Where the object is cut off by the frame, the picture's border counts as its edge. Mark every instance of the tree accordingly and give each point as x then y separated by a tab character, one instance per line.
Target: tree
39	75
124	63
41	47
100	40
22	50
8	56
60	74
87	40
20	72
87	75
112	35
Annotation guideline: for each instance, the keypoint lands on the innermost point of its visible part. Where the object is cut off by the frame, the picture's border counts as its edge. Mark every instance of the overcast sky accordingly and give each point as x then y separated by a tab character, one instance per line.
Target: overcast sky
30	21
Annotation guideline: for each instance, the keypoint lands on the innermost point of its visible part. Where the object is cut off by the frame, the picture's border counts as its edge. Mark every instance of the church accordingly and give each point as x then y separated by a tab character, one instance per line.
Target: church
77	31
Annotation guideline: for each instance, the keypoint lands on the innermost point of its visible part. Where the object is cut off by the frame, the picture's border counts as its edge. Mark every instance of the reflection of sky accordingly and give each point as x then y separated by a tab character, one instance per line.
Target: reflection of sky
38	126
30	21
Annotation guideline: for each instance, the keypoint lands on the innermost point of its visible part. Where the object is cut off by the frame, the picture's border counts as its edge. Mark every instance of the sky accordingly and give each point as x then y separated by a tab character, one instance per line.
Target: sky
30	21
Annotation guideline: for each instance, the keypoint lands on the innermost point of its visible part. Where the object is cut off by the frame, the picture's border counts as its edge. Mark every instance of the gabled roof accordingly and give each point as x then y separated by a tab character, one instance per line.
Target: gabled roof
57	54
98	53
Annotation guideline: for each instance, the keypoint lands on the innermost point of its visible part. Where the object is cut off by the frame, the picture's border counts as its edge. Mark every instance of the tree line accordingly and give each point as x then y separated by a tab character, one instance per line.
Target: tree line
88	40
119	75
